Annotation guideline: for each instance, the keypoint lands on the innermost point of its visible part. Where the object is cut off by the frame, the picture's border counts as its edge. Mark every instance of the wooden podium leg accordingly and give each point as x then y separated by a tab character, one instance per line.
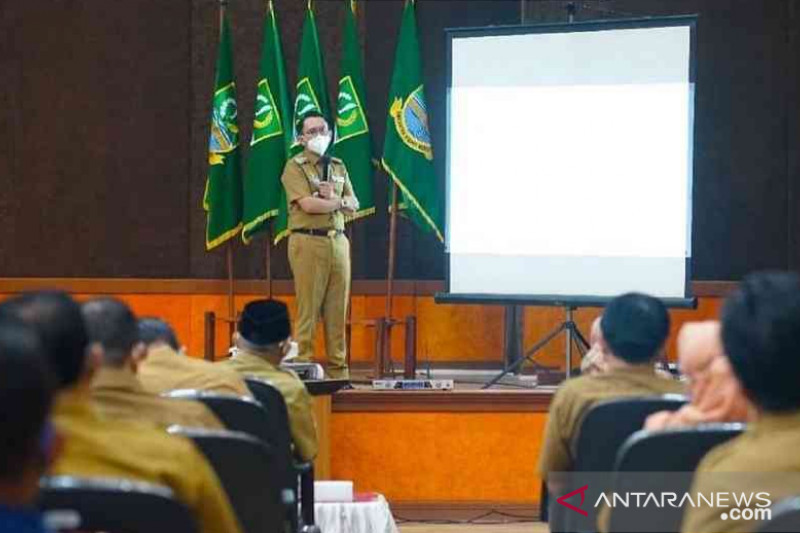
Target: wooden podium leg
410	363
209	323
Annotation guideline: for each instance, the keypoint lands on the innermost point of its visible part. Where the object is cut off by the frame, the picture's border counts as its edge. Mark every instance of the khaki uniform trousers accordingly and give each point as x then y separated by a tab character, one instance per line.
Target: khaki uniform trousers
321	270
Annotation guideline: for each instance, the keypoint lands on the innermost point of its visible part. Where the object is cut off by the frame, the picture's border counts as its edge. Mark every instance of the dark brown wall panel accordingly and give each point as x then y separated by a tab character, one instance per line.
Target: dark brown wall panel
104	125
100	152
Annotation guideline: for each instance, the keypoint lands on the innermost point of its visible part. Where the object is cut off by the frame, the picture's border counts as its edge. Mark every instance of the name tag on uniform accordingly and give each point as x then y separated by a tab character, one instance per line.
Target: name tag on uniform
338	179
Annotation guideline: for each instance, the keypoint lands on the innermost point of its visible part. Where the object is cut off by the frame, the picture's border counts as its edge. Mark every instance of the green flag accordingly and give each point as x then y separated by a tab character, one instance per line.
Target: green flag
311	94
223	195
353	144
311	91
407	152
272	135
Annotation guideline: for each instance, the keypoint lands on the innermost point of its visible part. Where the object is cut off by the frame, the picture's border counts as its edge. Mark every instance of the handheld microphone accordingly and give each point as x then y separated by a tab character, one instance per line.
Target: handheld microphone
325	160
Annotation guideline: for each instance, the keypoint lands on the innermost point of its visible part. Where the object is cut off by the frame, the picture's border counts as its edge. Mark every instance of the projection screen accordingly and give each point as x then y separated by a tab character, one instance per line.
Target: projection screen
569	159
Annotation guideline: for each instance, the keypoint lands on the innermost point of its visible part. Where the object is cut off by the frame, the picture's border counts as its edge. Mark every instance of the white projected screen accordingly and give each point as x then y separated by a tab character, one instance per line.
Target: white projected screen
570	163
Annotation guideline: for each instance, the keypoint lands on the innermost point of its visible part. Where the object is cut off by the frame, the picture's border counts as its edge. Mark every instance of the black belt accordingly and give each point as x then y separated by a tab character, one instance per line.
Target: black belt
319	232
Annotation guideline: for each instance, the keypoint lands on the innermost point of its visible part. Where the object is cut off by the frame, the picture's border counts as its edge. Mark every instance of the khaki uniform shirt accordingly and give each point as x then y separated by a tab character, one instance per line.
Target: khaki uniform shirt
763	459
95	447
303	426
118	395
164	370
575	396
301	178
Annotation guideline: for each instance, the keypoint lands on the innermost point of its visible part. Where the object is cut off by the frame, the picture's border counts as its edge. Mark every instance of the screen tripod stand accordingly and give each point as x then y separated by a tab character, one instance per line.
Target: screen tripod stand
573	336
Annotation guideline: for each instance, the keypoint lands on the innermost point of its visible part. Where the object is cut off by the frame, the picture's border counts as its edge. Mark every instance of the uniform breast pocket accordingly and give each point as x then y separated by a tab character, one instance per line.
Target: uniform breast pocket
338	184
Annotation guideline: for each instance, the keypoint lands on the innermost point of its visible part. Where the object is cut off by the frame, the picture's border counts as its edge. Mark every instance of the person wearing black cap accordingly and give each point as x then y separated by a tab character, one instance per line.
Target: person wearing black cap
634	329
262	341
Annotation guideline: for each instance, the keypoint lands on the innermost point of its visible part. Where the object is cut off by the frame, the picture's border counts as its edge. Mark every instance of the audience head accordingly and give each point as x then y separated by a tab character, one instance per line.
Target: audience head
699	345
56	319
264	325
27	440
113	327
634	327
154	331
596	333
761	336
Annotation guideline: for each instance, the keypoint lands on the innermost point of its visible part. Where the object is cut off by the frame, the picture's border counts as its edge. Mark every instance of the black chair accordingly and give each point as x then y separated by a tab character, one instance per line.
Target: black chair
671	450
237	413
111	505
245	467
272	400
608	424
602	430
785	517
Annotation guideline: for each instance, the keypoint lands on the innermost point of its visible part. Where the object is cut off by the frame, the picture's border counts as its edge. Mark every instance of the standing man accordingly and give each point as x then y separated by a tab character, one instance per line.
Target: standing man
319	195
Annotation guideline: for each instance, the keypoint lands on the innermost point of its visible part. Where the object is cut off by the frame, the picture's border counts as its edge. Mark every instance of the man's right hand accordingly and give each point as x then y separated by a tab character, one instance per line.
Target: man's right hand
326	190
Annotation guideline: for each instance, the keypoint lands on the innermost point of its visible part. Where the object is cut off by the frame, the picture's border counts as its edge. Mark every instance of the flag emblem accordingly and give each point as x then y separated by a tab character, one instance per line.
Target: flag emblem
411	122
224	132
350	118
306	99
267	121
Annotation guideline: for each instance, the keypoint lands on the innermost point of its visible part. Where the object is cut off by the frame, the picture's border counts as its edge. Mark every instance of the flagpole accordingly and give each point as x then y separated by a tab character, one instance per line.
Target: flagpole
231	304
223	5
268	262
349	327
392	246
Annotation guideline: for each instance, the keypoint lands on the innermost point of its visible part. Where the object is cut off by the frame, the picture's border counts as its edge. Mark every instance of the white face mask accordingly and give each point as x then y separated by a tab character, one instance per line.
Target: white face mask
319	144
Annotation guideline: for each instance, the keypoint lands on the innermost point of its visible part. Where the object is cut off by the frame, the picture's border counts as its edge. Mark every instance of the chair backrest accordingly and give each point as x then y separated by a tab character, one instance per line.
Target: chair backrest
112	505
785	517
246	468
272	401
238	413
606	425
671	450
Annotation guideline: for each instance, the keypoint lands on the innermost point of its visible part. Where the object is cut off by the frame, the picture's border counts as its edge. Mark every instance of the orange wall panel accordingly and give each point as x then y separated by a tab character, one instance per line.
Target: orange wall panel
471	333
439	456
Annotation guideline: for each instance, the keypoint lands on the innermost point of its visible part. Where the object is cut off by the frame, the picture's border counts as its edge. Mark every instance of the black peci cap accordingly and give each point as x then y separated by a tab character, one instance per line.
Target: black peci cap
265	322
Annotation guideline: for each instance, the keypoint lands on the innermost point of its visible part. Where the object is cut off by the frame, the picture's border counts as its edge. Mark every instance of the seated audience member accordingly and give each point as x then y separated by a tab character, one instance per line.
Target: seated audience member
592	362
167	368
28	442
116	390
634	328
264	337
761	335
98	447
714	391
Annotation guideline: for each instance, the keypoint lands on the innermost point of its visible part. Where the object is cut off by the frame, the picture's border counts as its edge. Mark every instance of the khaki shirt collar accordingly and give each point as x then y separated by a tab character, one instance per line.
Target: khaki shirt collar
120	379
770	422
310	156
161	352
73	403
633	370
246	356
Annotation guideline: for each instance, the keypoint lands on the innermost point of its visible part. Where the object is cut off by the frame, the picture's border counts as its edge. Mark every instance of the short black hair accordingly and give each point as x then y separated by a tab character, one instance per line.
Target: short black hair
26	394
761	336
635	327
152	329
57	320
113	325
310	114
